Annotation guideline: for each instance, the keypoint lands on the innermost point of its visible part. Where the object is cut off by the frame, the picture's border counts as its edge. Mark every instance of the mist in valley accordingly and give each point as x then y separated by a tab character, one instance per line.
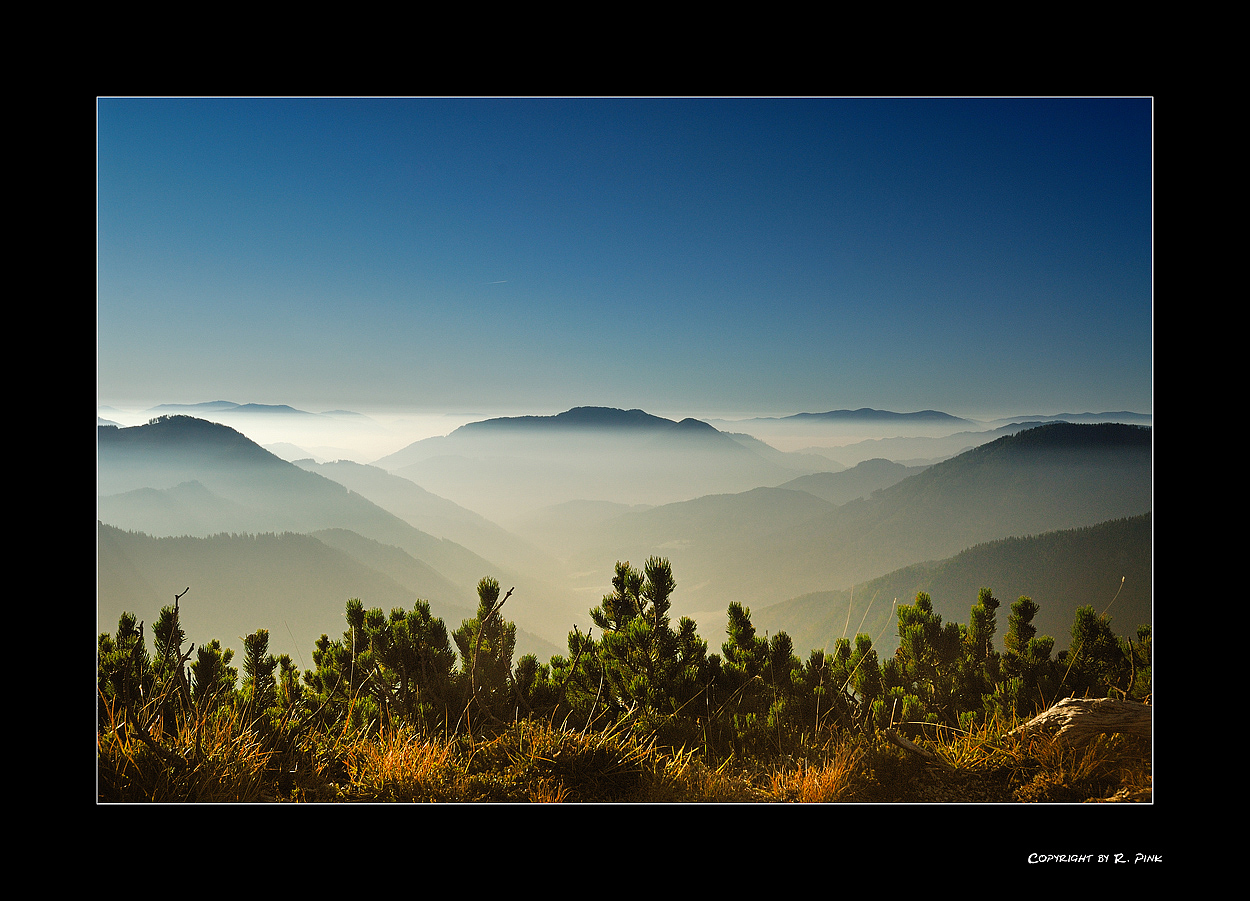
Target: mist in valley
548	504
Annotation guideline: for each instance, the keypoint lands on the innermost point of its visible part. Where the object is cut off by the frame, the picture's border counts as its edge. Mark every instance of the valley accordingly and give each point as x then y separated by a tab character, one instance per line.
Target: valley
814	540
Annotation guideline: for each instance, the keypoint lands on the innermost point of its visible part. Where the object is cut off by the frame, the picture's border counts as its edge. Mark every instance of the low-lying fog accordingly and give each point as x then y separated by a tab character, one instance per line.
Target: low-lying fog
324	435
364	435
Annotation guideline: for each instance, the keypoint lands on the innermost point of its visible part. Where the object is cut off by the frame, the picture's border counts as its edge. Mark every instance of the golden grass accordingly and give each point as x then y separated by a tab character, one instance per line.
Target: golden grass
833	779
543	792
211	760
399	765
1107	766
1039	768
218	758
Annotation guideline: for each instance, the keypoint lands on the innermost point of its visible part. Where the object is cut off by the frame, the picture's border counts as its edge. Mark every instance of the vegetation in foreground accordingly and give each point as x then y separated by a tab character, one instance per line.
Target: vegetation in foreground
399	709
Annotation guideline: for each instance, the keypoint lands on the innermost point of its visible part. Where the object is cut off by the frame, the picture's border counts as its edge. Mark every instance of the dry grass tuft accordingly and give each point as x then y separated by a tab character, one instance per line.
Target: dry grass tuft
834	779
219	758
399	765
1107	766
684	777
215	759
544	792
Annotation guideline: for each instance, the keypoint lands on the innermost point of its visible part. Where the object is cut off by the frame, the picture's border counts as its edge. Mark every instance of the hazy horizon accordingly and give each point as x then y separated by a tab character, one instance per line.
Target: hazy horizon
447	260
387	430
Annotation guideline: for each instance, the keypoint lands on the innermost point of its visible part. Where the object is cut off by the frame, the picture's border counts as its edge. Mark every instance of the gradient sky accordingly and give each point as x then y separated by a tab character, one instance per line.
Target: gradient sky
703	257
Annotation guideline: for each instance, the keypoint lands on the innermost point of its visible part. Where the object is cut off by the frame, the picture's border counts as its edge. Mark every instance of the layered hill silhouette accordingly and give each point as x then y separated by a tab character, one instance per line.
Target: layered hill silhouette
935	448
739	520
849	437
291	432
511	466
1058	476
838	427
864	420
218	407
570	529
1122	416
769	545
931	448
217	480
849	484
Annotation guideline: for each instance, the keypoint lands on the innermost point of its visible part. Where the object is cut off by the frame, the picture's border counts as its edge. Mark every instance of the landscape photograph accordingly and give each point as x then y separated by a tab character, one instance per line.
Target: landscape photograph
790	451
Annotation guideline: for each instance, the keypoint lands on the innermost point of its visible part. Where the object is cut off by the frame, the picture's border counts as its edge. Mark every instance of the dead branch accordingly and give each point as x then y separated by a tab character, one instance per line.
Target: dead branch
908	745
1074	721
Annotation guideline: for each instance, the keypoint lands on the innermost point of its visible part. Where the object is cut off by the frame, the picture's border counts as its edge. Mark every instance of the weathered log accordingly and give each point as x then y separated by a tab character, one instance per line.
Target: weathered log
1074	721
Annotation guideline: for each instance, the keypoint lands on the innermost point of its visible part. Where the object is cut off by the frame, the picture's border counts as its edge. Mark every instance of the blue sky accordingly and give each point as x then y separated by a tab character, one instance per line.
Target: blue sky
702	257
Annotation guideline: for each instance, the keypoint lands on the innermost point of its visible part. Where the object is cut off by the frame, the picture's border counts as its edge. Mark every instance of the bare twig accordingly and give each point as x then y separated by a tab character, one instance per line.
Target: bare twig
581	647
907	745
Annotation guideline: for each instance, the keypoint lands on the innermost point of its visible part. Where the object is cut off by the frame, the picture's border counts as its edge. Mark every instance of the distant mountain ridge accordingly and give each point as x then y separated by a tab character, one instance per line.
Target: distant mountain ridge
1124	416
867	414
225	406
852	436
933	447
578	418
210	406
790	432
590	422
513	466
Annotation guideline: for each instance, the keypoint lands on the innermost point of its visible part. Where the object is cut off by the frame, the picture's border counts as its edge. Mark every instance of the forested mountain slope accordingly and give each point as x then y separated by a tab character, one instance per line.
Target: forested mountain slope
1108	566
293	585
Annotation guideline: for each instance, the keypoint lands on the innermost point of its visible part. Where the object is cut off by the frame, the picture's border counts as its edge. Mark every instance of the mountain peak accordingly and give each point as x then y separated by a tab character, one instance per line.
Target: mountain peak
609	416
591	418
182	434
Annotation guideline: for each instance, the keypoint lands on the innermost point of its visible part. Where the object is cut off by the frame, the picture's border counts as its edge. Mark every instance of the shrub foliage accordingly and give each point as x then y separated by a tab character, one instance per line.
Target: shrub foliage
172	727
